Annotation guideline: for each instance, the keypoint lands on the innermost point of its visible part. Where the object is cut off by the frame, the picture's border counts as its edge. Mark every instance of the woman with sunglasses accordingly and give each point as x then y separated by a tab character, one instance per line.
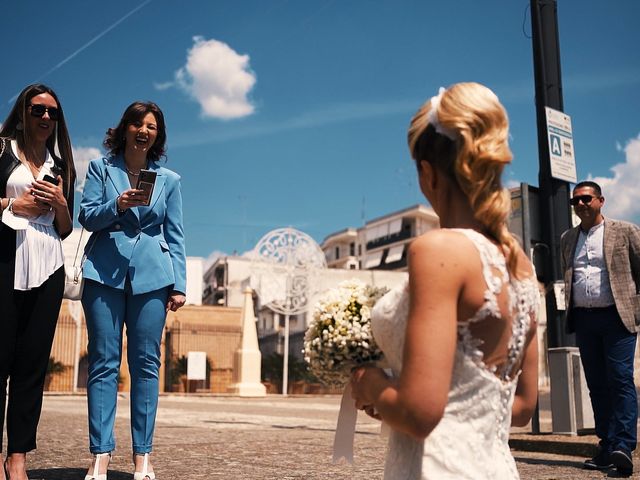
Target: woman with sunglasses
134	273
36	201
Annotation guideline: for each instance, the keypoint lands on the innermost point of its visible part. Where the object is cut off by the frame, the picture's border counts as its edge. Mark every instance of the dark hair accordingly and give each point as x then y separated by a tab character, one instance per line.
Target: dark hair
13	127
589	184
114	142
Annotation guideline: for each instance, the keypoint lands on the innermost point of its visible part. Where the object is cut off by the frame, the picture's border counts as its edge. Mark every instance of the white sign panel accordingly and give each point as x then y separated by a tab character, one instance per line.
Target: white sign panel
558	290
561	155
197	365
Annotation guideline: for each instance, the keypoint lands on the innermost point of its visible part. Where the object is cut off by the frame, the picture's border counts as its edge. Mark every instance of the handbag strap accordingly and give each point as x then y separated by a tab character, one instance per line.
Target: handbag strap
75	258
84	256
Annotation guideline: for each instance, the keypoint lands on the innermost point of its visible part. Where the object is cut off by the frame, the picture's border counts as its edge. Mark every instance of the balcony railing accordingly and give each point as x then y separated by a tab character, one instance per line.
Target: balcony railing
395	237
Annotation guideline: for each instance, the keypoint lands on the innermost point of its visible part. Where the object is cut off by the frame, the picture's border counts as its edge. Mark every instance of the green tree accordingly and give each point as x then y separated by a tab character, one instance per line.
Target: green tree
54	366
272	369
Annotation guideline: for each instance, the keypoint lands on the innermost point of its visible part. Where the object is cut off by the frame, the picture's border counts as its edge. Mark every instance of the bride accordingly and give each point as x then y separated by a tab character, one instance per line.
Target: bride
460	334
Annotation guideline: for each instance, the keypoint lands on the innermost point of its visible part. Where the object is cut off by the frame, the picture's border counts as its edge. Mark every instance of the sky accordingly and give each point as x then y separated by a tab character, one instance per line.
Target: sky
293	113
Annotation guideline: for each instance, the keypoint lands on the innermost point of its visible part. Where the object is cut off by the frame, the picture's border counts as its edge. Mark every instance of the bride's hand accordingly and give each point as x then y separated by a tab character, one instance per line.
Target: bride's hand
371	411
366	383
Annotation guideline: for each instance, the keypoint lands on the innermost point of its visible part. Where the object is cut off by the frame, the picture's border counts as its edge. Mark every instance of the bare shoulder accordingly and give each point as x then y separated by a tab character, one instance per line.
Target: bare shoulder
439	265
442	242
442	252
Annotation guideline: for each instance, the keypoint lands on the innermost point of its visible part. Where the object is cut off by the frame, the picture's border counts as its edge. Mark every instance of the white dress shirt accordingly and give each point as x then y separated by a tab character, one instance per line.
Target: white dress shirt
38	246
591	287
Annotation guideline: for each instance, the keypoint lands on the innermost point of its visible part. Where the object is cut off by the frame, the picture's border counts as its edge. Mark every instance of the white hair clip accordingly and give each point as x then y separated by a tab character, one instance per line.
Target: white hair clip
433	117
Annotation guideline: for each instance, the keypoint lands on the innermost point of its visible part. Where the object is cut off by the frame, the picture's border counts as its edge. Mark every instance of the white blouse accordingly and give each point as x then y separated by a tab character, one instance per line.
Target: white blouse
38	247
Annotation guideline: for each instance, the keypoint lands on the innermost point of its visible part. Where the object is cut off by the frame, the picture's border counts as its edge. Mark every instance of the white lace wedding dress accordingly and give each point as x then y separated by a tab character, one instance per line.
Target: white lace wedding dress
471	440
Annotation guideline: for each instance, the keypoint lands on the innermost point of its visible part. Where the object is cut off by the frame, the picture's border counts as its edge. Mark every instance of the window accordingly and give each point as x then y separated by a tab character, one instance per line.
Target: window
352	249
337	253
373	259
395	254
395	226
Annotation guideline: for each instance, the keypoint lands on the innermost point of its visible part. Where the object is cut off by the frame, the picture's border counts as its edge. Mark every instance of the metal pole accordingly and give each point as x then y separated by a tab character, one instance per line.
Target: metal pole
285	356
526	244
555	214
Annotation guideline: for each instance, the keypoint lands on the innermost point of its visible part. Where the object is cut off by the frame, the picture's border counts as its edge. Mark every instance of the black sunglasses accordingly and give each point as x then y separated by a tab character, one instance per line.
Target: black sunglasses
38	110
585	199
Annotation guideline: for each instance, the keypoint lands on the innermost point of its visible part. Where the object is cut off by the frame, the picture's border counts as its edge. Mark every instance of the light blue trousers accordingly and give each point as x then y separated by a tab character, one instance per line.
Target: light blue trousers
107	310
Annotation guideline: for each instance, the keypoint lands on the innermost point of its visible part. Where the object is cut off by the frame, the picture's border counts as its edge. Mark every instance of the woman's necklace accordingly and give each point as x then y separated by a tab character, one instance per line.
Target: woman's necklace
135	174
35	170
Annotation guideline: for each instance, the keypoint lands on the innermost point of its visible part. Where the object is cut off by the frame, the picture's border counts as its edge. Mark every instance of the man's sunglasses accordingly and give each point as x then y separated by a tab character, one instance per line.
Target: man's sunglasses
38	110
585	199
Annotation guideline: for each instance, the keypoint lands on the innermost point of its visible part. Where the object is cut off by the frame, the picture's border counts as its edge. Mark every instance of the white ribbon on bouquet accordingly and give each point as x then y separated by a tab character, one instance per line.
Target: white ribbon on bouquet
346	427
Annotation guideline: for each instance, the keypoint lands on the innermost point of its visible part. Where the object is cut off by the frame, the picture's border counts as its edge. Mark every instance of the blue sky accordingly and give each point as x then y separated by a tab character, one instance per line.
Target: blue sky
294	113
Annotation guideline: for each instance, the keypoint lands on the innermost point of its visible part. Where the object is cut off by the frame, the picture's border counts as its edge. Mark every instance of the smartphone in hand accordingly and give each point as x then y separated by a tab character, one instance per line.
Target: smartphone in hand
146	182
50	179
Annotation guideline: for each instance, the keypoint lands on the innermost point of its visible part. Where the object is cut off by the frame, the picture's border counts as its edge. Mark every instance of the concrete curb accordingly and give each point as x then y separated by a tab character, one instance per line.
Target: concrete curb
555	444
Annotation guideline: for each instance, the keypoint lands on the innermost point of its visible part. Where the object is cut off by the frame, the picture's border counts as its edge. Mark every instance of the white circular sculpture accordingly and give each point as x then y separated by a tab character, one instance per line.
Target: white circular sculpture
285	261
284	265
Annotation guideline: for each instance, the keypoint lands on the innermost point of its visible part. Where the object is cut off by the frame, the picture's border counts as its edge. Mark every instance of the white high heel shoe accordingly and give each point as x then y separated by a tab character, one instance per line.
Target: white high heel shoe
144	474
96	467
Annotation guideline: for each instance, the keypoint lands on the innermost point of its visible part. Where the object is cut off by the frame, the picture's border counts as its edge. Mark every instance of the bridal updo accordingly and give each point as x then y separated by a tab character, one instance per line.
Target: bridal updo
463	131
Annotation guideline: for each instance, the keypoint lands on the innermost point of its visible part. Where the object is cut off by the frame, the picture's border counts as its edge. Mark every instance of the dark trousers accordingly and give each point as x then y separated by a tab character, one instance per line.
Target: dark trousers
607	351
27	325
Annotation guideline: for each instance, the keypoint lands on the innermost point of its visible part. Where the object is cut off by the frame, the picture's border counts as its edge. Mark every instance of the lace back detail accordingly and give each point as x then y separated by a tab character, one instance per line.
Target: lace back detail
471	440
520	302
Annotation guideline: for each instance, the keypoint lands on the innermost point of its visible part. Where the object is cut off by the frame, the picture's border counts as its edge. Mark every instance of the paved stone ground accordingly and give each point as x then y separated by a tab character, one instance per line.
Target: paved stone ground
233	438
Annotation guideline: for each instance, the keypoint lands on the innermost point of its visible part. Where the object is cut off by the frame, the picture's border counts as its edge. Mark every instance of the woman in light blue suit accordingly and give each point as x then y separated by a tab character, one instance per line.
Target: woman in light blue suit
134	274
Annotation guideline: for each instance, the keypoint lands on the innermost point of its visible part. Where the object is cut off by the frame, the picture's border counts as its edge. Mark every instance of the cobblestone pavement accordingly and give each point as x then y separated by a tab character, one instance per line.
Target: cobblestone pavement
234	438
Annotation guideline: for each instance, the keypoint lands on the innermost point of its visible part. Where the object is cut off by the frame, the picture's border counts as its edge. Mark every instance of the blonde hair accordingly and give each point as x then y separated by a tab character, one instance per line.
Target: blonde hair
475	159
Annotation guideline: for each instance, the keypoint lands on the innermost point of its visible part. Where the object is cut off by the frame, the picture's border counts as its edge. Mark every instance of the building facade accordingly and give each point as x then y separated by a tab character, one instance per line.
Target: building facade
381	243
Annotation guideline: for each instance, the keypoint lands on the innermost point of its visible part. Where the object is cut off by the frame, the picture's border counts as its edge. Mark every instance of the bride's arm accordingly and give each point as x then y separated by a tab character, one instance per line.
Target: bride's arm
526	396
416	403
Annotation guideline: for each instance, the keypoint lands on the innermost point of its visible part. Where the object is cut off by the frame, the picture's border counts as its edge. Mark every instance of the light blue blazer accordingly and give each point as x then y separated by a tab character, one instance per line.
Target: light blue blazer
145	243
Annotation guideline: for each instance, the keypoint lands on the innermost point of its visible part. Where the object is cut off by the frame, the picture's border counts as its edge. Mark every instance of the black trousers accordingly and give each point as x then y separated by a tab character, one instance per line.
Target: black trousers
27	325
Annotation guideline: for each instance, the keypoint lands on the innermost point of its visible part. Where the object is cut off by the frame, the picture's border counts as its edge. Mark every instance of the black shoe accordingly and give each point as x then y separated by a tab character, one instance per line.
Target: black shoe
623	462
600	462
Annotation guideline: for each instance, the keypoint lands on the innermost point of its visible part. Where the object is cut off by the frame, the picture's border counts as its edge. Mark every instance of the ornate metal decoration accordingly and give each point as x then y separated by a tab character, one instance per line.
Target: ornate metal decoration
284	263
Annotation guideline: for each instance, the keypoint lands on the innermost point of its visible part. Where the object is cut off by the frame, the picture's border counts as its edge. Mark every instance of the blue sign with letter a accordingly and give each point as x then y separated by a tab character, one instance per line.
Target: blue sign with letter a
556	145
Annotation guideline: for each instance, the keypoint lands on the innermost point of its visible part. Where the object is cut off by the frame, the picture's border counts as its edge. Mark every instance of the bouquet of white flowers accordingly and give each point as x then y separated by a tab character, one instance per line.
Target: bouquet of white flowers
339	336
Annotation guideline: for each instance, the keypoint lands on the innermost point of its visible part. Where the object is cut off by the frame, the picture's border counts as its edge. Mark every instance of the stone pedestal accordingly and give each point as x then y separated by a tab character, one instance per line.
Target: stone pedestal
247	359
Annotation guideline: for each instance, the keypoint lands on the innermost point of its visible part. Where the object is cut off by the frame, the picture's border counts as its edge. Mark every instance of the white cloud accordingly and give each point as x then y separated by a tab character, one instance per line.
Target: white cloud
218	78
622	196
511	183
163	86
81	158
213	256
